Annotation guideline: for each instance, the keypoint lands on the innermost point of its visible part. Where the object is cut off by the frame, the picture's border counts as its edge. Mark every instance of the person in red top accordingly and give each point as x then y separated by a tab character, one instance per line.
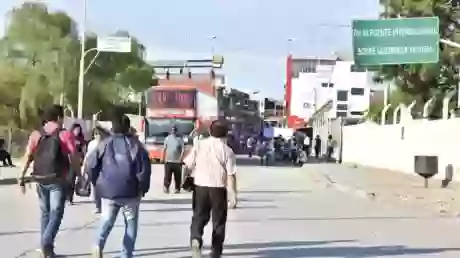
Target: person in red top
52	191
80	143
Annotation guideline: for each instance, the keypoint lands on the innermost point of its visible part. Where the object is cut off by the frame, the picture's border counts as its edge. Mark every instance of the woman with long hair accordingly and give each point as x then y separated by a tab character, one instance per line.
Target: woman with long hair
80	143
99	134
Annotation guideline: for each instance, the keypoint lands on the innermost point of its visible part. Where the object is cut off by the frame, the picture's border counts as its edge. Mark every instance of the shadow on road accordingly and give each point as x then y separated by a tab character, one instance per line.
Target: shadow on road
297	249
347	251
143	252
8	181
241	207
272	191
255	161
187	222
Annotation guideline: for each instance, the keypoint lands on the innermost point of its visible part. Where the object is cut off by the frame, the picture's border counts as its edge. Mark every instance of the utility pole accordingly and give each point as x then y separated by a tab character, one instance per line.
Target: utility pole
81	74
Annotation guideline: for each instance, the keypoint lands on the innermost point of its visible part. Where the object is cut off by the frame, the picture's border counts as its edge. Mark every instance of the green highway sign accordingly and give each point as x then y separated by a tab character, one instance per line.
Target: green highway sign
396	41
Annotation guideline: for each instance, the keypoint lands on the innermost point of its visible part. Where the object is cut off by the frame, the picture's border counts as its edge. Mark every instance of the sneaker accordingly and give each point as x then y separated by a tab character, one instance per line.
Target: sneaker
166	190
177	191
196	249
97	253
97	211
46	253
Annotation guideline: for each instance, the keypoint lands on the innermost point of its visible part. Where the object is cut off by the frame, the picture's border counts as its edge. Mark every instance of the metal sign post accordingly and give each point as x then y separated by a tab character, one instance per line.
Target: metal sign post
104	44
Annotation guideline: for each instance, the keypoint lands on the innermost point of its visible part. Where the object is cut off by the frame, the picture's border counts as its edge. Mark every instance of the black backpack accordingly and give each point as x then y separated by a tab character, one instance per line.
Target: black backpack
50	161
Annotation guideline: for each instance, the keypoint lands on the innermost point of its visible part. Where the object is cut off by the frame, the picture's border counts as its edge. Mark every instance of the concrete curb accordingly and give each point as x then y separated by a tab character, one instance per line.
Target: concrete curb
348	189
441	208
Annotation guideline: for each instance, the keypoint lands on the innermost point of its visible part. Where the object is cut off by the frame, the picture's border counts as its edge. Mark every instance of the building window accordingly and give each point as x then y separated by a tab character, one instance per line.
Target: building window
324	84
342	107
356	113
357	91
342	95
309	69
341	114
327	85
331	85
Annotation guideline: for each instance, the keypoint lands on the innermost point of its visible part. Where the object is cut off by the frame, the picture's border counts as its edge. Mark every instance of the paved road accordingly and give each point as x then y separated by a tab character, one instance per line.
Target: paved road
284	212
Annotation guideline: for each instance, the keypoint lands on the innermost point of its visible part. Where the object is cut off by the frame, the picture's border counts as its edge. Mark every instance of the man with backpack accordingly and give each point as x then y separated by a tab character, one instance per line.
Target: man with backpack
120	170
50	149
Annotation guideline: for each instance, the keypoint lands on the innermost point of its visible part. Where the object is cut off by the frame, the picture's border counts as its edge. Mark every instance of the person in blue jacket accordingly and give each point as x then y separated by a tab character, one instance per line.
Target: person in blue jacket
120	170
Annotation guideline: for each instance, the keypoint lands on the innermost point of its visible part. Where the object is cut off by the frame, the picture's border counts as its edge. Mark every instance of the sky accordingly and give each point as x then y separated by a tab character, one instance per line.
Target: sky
252	35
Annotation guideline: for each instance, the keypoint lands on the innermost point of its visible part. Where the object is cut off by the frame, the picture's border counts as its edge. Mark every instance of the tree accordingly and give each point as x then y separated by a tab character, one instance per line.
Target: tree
39	59
396	97
35	43
425	80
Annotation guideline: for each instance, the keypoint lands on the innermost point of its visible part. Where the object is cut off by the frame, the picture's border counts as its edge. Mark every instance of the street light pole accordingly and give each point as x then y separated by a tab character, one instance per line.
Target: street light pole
213	40
81	75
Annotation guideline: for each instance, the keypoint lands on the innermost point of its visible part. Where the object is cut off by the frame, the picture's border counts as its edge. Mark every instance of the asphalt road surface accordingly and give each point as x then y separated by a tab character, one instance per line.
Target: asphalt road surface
283	212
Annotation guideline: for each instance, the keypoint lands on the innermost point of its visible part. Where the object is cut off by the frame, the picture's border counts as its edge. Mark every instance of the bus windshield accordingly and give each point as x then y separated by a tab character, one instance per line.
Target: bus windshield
161	127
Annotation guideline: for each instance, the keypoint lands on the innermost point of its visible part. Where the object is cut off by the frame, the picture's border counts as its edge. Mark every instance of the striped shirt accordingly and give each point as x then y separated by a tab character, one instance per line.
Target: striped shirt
213	162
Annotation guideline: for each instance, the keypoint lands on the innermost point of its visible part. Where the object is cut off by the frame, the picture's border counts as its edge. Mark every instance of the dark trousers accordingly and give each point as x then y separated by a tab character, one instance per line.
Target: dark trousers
5	157
317	152
173	168
210	202
97	198
70	192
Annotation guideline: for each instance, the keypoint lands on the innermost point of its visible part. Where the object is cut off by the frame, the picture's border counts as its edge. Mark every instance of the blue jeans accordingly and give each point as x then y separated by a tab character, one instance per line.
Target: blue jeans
110	209
52	202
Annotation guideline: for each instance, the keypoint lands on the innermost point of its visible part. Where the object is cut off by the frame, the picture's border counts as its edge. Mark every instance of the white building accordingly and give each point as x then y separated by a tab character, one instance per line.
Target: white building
348	90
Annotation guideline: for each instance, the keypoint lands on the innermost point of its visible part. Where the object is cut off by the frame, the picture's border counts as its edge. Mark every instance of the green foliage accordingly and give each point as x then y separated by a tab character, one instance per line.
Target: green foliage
396	97
39	64
425	80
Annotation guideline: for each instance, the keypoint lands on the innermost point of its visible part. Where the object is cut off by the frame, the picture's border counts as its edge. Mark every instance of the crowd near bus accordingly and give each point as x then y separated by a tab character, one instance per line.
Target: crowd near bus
295	149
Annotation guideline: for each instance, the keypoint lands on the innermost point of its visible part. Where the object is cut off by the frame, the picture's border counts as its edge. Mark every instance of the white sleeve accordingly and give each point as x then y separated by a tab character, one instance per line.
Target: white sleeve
230	165
92	146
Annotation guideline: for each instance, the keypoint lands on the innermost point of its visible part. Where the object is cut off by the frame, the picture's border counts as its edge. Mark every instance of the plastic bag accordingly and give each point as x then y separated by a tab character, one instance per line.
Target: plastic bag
83	187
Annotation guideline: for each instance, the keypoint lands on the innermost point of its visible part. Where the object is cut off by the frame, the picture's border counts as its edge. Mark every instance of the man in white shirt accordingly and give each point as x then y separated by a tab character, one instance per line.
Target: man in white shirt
213	168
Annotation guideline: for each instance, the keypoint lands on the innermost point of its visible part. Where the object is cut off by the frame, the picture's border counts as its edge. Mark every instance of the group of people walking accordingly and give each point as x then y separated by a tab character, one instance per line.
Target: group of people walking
118	166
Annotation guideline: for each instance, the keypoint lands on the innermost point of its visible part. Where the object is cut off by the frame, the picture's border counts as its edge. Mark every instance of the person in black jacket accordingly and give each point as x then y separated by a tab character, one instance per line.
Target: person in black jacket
5	156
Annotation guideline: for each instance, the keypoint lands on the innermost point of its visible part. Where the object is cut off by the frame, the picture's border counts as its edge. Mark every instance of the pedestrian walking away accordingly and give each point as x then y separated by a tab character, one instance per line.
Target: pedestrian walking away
5	156
80	144
212	165
172	158
50	149
99	134
120	169
317	146
330	148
